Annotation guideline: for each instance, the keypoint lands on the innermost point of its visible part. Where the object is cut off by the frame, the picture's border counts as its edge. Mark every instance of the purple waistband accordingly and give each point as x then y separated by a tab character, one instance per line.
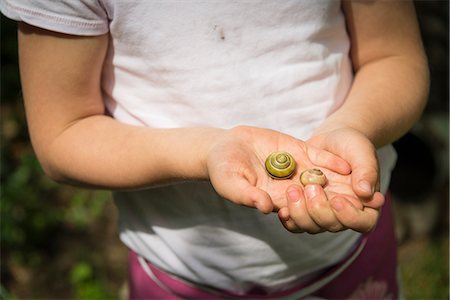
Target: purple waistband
186	289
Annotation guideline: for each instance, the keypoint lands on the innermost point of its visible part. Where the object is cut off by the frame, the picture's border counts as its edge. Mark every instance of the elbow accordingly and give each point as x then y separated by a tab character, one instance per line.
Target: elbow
64	166
52	170
51	164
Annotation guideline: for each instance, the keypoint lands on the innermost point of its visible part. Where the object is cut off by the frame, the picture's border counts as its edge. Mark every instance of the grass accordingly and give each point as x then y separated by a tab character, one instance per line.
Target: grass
424	266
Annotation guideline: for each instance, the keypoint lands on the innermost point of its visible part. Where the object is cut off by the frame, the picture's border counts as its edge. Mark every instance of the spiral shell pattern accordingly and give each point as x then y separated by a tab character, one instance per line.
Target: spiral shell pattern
313	176
280	165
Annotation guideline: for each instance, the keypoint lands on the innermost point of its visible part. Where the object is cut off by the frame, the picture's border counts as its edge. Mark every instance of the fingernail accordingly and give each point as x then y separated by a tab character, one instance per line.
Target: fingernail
311	191
337	205
365	186
293	195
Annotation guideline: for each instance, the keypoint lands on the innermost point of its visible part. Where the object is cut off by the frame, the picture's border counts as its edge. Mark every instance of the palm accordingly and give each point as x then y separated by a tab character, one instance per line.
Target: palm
238	162
338	185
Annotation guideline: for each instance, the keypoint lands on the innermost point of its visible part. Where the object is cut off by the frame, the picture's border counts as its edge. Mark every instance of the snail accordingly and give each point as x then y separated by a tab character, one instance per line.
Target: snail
313	176
280	165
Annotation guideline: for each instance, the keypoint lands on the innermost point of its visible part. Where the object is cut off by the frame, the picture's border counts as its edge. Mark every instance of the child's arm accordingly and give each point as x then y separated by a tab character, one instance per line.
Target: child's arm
388	94
74	141
391	82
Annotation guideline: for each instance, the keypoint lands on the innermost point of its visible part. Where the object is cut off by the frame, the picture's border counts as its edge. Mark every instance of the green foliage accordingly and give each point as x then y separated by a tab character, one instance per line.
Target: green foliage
40	219
83	209
86	286
425	276
36	213
4	294
24	214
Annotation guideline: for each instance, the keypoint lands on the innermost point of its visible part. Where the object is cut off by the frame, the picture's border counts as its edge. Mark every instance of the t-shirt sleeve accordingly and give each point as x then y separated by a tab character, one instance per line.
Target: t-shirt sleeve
77	17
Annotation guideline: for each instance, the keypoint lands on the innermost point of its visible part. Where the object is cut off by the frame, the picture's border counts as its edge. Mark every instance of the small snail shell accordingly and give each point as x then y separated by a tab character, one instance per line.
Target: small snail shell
313	176
280	165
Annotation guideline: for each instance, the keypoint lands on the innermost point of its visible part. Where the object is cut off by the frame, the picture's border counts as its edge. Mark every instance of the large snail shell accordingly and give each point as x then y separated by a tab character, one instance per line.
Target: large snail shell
313	176
280	165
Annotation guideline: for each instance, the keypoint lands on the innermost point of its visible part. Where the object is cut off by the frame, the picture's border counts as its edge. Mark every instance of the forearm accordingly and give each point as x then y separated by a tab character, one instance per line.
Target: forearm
386	99
389	90
100	152
390	87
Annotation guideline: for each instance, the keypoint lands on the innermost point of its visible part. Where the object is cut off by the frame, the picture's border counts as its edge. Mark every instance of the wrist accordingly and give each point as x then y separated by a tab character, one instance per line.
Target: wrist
210	137
337	123
192	159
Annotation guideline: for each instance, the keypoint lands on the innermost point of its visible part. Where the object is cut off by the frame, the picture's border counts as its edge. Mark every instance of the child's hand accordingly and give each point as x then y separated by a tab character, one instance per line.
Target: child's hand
336	207
348	201
235	164
359	152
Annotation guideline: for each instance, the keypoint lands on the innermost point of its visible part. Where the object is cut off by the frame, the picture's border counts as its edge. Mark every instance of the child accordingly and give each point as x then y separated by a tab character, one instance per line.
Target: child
175	105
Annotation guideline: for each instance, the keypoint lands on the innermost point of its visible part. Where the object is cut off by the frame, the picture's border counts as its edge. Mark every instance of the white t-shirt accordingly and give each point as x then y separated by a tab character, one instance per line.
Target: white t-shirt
282	65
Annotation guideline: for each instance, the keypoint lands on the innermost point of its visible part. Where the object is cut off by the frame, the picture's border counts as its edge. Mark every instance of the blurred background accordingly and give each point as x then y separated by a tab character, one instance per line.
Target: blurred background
62	242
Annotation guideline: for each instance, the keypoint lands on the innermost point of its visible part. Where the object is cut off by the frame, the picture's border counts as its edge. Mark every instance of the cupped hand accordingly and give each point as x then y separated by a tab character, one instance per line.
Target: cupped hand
348	201
355	148
235	164
334	208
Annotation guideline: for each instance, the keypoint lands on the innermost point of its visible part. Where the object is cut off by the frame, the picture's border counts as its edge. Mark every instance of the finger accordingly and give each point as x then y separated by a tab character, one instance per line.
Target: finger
323	158
258	198
288	223
298	212
376	202
320	210
356	202
352	218
240	191
364	171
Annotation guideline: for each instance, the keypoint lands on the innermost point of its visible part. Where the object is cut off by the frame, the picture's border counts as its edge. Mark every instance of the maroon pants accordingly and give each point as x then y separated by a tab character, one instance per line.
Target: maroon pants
370	273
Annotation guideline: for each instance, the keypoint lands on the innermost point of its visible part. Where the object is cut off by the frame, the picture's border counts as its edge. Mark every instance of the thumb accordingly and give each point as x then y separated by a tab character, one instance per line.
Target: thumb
365	171
359	152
